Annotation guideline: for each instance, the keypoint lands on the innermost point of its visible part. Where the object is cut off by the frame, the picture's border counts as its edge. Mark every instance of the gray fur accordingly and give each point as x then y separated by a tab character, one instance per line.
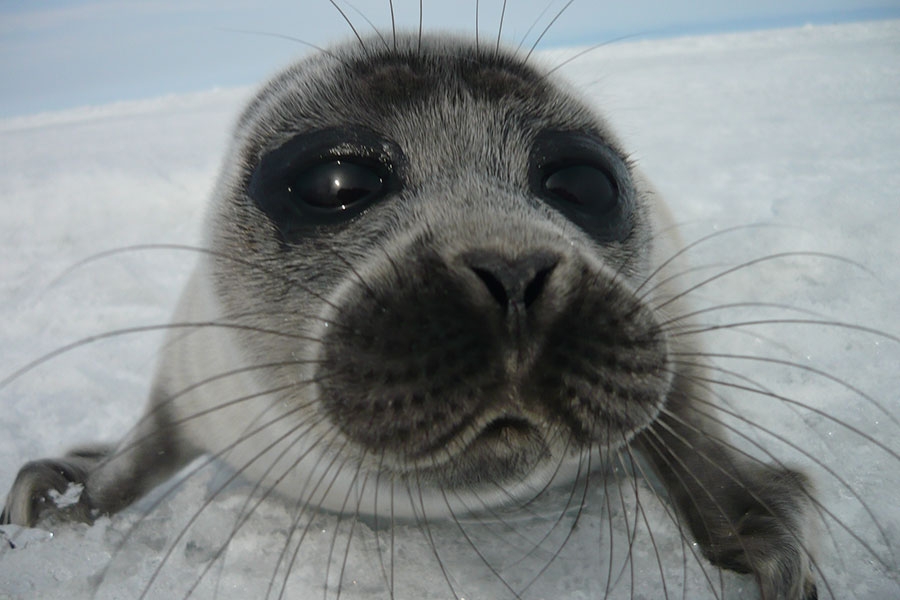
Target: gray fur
382	349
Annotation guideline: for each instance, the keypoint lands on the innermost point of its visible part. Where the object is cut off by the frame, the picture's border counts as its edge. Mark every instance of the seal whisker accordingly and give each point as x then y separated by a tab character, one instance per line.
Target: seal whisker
393	36
686	541
477	37
387	575
193	470
474	547
770	508
659	448
820	507
746	265
301	507
288	38
370	23
420	514
815	322
525	506
546	29
578	511
91	339
787	442
419	42
246	510
690	317
349	536
794	365
161	405
656	552
699	242
190	522
229	257
350	24
500	28
593	48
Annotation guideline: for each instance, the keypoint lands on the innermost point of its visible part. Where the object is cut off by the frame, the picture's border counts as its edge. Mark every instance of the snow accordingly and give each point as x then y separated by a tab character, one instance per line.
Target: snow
792	137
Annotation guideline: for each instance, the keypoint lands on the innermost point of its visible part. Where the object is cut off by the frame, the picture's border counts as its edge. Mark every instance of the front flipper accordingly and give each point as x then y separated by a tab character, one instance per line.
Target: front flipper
54	489
746	516
98	480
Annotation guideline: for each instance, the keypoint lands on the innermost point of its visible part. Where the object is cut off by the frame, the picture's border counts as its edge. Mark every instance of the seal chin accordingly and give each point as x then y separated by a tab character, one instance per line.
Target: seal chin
507	449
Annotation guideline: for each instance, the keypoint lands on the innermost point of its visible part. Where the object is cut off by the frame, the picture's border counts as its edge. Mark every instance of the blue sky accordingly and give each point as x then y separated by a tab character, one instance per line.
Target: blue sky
63	53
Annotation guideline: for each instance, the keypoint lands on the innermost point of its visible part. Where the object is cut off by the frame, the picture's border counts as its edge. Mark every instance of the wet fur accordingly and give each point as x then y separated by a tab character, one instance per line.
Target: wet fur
745	515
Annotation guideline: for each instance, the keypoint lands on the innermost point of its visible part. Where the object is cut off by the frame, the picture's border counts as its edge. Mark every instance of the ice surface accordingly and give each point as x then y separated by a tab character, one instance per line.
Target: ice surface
795	129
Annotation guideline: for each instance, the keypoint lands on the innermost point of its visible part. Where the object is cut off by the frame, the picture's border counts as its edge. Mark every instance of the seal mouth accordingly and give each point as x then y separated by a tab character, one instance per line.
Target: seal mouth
506	429
507	448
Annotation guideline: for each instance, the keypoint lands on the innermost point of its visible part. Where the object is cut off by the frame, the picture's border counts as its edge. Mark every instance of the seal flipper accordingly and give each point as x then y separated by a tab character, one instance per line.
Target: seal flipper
110	477
746	516
41	487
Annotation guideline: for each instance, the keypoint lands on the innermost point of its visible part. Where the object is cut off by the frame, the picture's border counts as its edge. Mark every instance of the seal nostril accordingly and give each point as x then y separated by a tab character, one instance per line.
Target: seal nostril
513	281
534	289
494	286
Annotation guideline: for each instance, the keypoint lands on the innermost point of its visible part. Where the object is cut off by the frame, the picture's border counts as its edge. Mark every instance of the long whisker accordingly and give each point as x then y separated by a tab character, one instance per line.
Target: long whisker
140	329
500	27
350	23
546	29
743	266
474	547
593	48
787	442
370	23
304	501
246	511
162	405
388	578
353	520
209	501
289	38
193	470
806	368
642	512
477	6
421	13
275	273
422	523
393	25
578	512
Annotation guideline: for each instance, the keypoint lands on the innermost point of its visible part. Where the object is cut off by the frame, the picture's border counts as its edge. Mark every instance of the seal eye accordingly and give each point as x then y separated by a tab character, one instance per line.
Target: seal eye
586	180
324	178
337	185
585	186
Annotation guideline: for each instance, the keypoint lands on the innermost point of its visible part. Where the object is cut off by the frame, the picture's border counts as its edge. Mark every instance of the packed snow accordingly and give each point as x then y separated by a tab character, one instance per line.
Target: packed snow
792	137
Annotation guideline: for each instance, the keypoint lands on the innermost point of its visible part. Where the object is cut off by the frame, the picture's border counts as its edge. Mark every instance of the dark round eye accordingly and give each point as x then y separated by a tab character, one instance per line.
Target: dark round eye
324	178
582	177
336	185
586	187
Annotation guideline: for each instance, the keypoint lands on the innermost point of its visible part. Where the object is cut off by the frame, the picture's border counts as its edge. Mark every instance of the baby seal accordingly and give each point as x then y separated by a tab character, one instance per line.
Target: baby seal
432	275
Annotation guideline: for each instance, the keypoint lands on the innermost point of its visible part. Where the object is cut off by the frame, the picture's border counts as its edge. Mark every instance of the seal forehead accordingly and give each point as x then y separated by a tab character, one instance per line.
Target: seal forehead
446	103
445	80
414	77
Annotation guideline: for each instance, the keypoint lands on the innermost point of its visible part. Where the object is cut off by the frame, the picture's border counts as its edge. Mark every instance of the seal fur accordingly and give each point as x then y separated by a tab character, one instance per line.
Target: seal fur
500	358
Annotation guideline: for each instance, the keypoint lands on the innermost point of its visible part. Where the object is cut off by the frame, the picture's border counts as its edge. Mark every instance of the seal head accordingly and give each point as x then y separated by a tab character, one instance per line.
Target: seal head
459	241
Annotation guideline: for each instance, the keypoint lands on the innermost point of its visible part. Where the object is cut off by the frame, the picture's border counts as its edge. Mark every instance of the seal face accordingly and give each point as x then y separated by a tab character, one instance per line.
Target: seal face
431	267
475	234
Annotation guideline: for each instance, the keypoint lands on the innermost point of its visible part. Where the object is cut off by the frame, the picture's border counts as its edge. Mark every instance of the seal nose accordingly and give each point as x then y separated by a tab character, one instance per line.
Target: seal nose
514	283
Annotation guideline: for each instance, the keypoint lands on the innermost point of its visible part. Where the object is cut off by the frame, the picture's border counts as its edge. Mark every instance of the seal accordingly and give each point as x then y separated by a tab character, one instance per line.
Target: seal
432	274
